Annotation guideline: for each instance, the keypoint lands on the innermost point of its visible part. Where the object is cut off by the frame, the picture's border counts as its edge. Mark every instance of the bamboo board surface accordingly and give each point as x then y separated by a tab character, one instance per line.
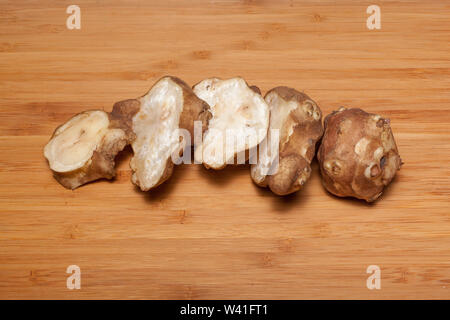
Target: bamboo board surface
215	235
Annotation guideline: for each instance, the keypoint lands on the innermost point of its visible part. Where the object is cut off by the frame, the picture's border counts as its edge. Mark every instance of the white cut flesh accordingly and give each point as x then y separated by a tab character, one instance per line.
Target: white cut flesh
239	122
74	143
156	127
268	150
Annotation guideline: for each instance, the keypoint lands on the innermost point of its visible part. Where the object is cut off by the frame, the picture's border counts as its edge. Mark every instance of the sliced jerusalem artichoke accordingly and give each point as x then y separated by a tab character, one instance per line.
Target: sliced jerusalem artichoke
285	155
240	118
83	149
169	106
358	156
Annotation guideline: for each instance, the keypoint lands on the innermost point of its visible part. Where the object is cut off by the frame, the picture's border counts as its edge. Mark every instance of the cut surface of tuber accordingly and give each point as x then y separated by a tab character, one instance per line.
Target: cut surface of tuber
75	141
165	110
83	149
240	118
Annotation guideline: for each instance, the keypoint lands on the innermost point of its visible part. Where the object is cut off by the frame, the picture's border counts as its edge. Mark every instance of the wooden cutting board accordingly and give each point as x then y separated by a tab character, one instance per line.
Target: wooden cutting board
214	235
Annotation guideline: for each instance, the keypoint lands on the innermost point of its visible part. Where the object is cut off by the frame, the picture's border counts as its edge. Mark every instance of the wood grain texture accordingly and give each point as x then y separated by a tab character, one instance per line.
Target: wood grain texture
206	234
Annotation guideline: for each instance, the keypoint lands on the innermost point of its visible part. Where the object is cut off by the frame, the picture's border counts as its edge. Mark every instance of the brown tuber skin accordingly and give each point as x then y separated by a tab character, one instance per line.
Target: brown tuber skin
299	120
358	156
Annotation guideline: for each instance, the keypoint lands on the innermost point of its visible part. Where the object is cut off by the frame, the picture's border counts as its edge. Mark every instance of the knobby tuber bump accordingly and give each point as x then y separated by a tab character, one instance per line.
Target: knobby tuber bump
358	155
240	118
168	106
298	121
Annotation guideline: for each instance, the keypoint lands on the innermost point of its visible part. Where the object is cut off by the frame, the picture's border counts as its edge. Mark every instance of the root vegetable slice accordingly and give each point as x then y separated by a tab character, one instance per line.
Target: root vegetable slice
286	154
240	118
358	156
170	105
83	149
